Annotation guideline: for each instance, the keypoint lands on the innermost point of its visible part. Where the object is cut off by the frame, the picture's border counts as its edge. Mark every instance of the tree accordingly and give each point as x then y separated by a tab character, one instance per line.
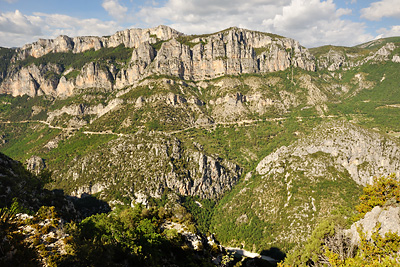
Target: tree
383	191
329	246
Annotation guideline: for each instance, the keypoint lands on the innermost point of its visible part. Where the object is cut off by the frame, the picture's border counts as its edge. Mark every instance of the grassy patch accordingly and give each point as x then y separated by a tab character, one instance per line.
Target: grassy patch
118	55
25	139
76	146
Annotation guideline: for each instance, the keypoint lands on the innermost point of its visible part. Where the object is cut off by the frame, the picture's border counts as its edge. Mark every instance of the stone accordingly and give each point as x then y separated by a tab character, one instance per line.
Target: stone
152	164
230	52
35	164
362	153
387	218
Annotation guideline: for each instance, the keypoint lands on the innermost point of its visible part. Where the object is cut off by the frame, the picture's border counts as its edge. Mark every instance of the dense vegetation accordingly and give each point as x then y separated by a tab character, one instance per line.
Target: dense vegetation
374	107
367	94
329	246
240	219
127	236
113	55
201	210
57	235
6	55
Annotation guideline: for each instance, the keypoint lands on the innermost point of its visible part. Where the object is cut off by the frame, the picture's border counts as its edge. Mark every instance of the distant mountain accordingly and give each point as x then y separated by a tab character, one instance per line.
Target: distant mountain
60	66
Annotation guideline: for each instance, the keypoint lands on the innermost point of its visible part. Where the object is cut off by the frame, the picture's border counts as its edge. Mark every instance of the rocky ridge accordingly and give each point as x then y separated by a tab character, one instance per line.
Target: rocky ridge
335	152
296	185
129	38
361	152
35	164
139	167
381	219
231	52
346	58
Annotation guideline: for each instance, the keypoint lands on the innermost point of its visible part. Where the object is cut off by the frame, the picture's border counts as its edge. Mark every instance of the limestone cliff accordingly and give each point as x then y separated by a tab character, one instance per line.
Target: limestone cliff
31	80
230	52
144	165
348	57
296	185
384	219
130	38
35	164
156	51
361	153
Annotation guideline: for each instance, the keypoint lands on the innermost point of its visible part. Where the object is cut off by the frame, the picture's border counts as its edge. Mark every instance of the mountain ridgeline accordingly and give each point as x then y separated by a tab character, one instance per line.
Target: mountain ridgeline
243	134
131	55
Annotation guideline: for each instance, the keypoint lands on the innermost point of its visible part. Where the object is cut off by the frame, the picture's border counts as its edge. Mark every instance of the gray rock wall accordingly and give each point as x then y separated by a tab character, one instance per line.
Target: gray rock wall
147	166
362	153
231	52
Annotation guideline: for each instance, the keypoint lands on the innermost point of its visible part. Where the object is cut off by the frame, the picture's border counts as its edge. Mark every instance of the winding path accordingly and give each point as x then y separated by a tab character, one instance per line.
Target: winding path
240	123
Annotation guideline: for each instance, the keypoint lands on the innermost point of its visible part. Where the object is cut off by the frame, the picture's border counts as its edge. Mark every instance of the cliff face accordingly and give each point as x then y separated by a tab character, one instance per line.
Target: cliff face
139	166
165	51
345	58
31	80
130	38
361	153
230	52
296	185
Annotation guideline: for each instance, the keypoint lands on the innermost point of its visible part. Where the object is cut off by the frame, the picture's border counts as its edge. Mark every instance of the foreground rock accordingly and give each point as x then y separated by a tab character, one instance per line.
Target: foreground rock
381	219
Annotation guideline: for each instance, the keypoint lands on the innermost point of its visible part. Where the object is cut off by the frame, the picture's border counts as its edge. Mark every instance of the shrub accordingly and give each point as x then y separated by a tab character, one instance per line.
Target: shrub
384	190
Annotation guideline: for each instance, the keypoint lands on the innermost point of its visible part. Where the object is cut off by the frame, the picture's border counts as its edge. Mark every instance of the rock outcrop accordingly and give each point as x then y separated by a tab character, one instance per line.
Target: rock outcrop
362	153
35	164
345	58
231	52
333	60
295	186
129	38
381	219
147	166
32	80
83	110
93	76
335	151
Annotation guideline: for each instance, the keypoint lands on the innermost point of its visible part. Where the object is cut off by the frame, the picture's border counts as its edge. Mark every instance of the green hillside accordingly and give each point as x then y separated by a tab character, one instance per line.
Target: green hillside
257	159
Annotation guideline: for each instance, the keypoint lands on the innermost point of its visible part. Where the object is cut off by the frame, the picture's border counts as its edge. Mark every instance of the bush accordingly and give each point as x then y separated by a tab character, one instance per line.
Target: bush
384	190
329	246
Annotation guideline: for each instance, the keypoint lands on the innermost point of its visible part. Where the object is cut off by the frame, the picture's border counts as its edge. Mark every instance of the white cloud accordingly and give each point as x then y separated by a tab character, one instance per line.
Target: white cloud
17	29
315	23
312	22
58	24
10	1
16	22
380	9
114	9
393	31
197	16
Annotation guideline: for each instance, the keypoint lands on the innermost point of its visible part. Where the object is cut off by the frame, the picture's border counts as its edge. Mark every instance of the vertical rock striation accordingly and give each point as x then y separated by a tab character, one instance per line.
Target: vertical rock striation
156	51
129	38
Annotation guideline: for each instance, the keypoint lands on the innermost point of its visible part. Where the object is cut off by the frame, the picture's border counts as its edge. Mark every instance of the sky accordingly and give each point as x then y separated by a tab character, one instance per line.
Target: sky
312	22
